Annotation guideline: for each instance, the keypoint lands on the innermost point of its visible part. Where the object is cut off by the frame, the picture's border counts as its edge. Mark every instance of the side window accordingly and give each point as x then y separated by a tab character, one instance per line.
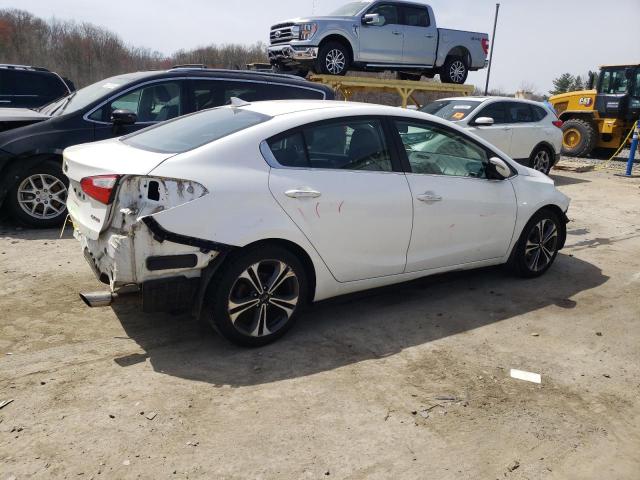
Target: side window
388	12
4	83
538	113
520	112
415	16
441	152
290	150
345	145
155	102
613	82
496	111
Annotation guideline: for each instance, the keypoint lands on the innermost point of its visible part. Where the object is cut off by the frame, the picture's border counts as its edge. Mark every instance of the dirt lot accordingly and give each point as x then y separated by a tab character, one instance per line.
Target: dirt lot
404	382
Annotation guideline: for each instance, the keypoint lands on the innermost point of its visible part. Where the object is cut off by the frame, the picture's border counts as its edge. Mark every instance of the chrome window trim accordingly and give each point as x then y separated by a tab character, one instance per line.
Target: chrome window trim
213	79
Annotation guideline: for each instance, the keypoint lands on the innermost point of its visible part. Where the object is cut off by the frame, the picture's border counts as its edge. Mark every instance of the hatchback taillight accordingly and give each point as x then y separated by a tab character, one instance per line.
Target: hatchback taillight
100	187
557	123
485	45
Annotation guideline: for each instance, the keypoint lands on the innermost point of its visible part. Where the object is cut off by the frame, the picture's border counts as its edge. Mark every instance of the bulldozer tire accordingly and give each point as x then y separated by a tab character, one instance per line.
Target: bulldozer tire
578	137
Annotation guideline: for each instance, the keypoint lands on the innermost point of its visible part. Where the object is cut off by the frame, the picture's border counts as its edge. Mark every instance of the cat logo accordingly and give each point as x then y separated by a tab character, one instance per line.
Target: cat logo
586	101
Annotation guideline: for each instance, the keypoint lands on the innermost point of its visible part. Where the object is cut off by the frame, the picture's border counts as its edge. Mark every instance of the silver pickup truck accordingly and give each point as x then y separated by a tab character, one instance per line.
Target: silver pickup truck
375	36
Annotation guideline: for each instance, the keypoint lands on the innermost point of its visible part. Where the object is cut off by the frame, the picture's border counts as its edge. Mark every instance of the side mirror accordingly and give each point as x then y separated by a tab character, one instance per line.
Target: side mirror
123	117
373	19
500	166
487	121
592	80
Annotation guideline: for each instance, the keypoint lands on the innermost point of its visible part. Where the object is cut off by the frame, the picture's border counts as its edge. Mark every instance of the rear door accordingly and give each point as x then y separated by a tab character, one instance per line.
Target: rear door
526	130
340	183
420	36
381	44
498	134
152	102
214	92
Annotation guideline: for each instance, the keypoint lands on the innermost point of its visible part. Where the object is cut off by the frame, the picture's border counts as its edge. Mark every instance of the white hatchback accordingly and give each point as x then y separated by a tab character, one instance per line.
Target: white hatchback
246	212
527	131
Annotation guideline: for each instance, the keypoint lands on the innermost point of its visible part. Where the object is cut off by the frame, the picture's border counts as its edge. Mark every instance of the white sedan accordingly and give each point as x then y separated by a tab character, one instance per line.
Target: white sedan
246	212
527	131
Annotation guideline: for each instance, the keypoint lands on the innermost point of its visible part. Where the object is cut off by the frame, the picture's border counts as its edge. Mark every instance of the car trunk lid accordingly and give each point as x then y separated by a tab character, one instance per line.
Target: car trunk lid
103	160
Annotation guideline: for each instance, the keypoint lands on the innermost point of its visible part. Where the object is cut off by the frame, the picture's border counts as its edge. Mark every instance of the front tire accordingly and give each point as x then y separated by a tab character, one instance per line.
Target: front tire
537	246
38	198
333	59
454	70
255	298
579	137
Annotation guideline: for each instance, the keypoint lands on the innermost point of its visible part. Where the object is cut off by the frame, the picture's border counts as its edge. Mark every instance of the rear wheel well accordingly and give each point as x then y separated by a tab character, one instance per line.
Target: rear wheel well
461	52
294	248
564	116
340	39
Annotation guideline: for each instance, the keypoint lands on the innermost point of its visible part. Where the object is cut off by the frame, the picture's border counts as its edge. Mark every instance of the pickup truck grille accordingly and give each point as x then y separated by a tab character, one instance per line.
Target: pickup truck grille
281	33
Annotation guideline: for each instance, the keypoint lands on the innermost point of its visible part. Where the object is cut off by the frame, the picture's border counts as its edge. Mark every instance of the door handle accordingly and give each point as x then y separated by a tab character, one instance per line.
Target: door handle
428	197
397	33
429	36
302	193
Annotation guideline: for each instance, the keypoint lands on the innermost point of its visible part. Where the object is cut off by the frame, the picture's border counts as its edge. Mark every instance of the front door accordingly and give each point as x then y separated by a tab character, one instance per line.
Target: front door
498	134
152	103
526	132
382	43
338	182
420	36
460	216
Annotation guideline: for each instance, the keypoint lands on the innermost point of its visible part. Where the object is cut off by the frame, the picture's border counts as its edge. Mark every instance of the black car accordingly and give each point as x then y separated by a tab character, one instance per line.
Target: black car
22	86
32	185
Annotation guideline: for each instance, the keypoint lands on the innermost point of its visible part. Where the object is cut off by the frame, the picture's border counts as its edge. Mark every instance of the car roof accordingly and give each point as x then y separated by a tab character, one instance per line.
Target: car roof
484	99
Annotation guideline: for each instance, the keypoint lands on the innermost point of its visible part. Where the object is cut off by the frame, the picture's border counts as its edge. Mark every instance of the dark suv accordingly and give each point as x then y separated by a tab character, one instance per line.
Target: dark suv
32	185
22	86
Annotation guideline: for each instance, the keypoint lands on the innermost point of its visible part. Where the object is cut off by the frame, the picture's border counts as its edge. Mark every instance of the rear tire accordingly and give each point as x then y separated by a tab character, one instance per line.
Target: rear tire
579	137
38	198
537	247
541	159
454	70
255	297
333	59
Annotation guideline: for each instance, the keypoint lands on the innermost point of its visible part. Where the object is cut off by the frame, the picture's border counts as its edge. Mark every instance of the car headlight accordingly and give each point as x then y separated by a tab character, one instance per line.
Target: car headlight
307	30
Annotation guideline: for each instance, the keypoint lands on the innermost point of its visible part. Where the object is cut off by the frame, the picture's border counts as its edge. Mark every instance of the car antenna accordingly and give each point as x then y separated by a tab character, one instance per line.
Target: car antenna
238	102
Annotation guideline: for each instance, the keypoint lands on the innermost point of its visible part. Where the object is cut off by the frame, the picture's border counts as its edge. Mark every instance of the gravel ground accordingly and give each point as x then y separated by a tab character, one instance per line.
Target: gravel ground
410	381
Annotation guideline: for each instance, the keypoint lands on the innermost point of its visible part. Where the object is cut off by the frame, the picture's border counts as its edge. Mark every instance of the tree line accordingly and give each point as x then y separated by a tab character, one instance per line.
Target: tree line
86	53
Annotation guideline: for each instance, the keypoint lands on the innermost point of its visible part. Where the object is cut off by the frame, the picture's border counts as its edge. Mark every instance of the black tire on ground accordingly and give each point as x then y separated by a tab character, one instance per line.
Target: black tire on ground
541	159
38	198
409	76
231	293
333	59
523	261
579	137
454	70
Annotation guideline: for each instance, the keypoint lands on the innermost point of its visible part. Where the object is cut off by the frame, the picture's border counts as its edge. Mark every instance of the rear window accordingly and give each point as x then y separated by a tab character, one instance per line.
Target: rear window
193	131
453	110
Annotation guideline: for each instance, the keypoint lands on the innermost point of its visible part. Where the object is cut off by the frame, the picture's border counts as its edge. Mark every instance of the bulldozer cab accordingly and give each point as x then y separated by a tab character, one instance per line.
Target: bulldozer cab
618	88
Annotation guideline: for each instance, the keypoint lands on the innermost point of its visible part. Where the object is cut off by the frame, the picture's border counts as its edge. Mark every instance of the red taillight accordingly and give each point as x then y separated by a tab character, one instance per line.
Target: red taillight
485	45
557	123
100	187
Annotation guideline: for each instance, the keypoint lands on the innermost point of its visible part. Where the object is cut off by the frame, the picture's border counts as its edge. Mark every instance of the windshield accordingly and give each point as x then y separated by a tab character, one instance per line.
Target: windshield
453	110
193	131
85	96
349	10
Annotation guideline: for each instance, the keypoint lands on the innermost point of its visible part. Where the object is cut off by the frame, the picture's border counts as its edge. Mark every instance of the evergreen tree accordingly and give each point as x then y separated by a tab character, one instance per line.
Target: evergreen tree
563	83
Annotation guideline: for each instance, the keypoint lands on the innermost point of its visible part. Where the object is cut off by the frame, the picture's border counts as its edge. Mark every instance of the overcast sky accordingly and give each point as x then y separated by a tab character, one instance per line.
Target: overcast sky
536	40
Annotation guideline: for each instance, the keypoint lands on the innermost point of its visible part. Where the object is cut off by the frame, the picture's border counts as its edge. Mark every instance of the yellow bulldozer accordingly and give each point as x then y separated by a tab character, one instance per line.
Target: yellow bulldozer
602	116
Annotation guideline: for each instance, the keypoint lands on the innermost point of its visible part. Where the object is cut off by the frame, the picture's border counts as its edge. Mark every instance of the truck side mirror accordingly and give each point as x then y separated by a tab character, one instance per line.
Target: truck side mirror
592	80
373	19
123	117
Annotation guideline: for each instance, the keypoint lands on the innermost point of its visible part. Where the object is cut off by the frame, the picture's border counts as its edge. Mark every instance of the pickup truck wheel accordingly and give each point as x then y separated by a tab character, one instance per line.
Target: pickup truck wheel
454	70
333	59
38	198
255	297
